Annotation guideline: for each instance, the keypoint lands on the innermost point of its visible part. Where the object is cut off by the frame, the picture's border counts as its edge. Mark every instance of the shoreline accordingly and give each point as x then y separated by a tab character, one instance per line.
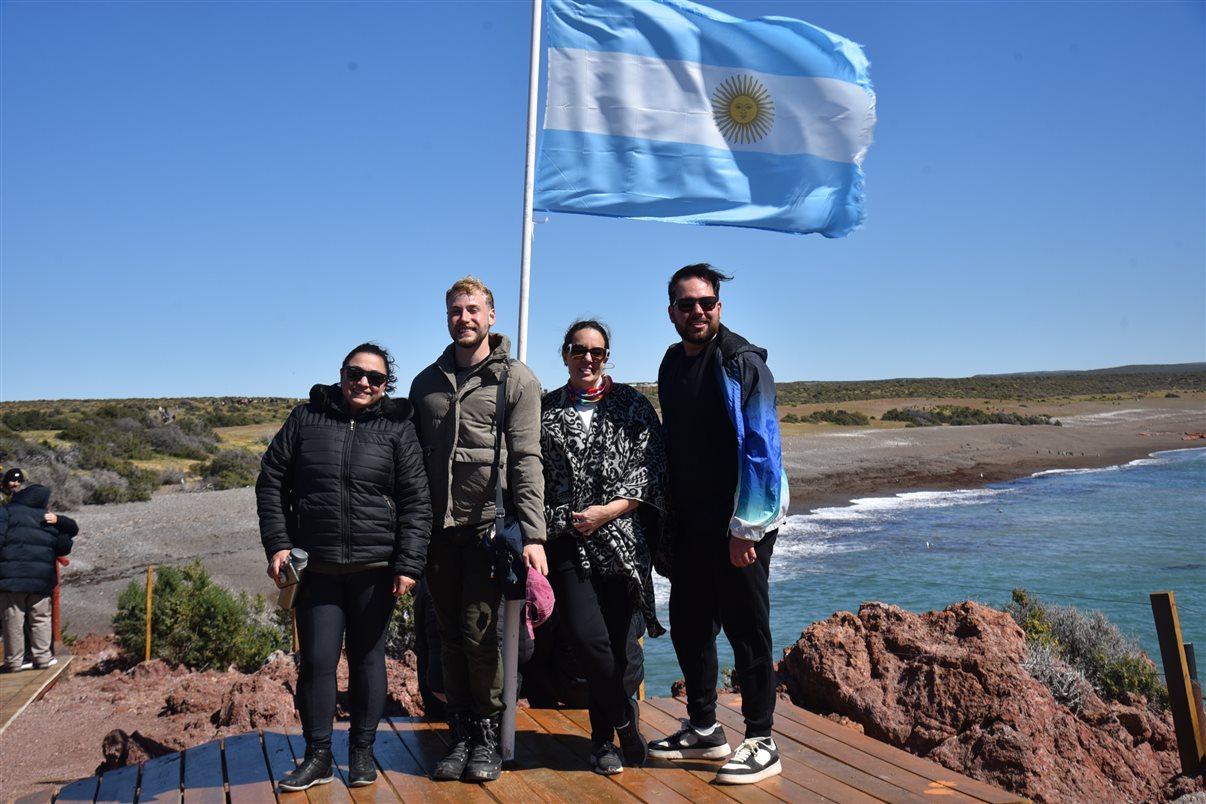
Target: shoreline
830	468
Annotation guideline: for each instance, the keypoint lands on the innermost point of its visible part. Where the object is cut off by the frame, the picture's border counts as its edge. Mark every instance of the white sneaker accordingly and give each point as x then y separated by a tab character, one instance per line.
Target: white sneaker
53	661
757	758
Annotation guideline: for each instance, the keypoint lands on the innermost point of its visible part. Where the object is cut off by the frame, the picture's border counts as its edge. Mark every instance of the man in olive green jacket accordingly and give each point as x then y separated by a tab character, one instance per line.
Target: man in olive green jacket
455	401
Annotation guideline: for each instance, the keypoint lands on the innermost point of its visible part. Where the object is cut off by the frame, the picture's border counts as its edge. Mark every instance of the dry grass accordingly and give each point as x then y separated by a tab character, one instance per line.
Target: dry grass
251	437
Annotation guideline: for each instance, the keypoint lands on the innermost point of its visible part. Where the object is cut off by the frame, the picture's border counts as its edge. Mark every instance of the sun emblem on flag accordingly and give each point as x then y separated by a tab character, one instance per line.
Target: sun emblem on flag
743	109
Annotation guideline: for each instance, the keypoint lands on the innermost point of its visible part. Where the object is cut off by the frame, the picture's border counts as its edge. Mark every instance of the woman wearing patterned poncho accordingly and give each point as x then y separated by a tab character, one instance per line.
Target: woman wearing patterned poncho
604	473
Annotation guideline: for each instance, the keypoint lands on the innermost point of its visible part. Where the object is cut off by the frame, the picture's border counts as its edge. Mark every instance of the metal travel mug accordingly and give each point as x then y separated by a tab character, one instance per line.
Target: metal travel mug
298	558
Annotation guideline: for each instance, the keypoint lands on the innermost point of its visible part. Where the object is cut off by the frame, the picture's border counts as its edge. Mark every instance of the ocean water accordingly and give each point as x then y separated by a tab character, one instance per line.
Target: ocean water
1099	539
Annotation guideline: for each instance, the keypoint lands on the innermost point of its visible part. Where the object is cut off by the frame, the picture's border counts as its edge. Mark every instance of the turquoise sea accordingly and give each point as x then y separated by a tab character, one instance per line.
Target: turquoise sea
1093	538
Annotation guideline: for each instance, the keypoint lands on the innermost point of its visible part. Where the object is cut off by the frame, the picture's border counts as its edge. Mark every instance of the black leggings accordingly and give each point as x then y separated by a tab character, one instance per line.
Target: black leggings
597	613
360	602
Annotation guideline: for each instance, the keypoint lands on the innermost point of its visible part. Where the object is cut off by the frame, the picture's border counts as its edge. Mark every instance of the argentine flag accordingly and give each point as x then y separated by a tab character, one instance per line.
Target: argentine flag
667	110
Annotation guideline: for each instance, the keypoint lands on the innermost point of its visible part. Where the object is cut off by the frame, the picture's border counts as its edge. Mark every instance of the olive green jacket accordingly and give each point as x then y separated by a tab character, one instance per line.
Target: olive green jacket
456	429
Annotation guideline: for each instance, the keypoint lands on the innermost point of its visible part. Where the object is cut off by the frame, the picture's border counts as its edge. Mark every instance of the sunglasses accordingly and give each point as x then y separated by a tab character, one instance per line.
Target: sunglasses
355	373
706	303
579	351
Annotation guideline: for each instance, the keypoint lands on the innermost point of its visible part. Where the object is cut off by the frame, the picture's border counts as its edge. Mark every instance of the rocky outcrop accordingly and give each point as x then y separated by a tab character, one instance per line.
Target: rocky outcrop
196	707
949	686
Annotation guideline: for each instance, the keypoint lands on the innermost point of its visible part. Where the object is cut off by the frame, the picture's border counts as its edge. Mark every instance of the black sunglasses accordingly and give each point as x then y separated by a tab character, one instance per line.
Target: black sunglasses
706	303
355	373
578	350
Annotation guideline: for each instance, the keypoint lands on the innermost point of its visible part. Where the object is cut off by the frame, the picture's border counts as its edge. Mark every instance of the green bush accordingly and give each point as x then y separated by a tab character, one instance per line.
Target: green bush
845	418
197	623
230	469
1090	644
959	415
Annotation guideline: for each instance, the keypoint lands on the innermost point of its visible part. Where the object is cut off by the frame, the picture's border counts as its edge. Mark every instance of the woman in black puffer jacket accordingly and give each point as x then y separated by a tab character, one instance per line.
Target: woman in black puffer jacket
344	480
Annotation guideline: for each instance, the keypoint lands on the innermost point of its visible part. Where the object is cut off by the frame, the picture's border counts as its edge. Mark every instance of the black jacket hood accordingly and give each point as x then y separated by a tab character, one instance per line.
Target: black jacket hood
329	398
35	496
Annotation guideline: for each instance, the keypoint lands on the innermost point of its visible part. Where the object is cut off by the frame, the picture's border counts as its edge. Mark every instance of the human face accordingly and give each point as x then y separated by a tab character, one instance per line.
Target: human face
585	371
360	394
696	326
469	319
12	486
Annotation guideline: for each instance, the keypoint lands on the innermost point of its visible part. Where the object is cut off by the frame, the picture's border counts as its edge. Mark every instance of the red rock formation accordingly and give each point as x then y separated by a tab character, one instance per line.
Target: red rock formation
197	707
950	686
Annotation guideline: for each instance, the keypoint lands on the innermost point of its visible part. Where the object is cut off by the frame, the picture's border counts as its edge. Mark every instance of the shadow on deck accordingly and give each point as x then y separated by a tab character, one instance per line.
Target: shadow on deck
822	761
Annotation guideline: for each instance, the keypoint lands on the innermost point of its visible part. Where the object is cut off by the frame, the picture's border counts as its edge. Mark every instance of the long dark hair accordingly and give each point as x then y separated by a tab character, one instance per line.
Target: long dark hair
381	352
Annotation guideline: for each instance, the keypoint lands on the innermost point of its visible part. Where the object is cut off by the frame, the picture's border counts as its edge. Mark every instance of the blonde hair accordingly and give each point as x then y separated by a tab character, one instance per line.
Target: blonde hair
468	286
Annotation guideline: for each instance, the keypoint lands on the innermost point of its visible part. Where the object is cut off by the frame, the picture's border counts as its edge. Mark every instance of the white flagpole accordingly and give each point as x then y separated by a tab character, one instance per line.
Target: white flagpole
513	609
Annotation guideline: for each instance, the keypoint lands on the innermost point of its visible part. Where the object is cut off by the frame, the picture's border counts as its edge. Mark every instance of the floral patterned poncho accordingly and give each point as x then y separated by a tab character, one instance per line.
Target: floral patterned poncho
621	456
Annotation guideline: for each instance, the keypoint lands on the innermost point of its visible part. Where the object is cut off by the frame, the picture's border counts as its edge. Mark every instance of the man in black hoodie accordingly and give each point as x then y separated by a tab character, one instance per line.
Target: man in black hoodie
29	548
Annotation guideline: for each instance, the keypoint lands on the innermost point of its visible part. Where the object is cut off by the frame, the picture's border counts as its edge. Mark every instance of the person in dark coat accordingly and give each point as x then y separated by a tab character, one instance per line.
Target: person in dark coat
10	484
29	548
344	480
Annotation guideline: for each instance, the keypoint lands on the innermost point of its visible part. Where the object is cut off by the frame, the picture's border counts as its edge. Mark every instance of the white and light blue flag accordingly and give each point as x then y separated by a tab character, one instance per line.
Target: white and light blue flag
668	110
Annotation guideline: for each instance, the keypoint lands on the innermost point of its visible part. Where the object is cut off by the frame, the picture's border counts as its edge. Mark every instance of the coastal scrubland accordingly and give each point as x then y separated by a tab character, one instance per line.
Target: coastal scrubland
109	451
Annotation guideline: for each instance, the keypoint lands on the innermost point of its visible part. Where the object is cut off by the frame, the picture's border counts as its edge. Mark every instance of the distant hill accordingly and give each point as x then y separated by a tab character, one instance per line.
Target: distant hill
1167	368
1026	386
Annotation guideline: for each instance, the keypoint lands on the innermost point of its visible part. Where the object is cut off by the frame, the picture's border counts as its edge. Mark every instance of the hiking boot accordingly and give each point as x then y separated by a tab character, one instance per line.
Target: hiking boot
361	768
687	743
485	762
635	749
315	769
452	766
605	759
757	758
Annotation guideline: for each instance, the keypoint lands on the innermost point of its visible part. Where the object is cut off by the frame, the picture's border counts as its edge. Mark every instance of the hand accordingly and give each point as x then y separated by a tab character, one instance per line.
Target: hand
590	519
402	585
275	564
742	552
50	518
534	558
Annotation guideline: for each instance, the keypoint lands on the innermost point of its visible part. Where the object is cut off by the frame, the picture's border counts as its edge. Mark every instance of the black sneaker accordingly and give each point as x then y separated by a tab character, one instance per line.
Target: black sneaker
605	759
315	769
687	743
361	768
755	759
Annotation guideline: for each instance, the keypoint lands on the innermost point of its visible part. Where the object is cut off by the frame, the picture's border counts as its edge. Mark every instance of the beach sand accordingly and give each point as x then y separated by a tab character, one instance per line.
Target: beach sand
830	466
827	465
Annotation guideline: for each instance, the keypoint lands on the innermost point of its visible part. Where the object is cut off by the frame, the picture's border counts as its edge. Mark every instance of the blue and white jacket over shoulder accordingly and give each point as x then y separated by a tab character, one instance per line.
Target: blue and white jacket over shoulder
749	392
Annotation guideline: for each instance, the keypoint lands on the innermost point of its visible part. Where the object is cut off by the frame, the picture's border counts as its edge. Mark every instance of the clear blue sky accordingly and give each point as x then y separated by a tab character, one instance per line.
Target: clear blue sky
221	198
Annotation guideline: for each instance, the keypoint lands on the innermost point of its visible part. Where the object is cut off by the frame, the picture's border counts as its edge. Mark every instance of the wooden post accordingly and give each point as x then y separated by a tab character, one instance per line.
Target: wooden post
150	584
1180	689
1197	689
54	607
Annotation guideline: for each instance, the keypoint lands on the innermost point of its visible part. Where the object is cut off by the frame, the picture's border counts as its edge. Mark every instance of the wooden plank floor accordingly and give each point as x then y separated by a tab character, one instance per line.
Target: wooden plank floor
822	761
18	690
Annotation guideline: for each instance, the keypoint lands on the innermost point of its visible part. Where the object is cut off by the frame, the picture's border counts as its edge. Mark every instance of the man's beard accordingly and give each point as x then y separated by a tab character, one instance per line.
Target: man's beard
690	335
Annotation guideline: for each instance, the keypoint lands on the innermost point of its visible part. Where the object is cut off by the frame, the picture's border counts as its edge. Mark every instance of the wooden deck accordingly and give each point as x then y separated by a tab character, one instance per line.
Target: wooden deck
19	690
822	761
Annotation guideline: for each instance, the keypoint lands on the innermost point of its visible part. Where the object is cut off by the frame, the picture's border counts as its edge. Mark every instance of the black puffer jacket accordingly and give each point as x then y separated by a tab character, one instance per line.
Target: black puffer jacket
348	489
28	546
